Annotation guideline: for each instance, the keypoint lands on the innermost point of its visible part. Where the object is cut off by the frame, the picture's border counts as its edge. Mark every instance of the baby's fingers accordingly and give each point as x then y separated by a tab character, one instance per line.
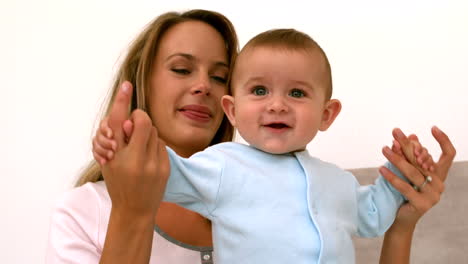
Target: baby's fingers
425	159
104	142
105	129
103	148
99	159
101	155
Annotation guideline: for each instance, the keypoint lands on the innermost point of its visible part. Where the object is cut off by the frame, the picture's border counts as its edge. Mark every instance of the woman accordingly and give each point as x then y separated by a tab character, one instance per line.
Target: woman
188	54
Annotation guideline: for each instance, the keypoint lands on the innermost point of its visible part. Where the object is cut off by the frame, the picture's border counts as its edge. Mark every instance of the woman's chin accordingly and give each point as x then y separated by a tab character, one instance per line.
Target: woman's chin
190	142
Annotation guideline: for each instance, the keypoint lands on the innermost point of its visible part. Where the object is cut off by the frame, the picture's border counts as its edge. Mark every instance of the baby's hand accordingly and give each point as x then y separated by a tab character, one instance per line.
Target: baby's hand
104	144
415	154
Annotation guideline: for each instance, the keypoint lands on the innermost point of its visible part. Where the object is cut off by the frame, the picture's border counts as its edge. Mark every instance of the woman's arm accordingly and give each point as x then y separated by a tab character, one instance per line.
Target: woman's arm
397	242
396	247
135	178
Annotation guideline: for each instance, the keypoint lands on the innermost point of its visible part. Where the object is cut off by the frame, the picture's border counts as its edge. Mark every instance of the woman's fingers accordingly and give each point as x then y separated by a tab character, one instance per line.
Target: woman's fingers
410	172
153	142
403	187
413	174
397	148
421	200
163	159
141	131
128	129
415	198
405	144
447	155
158	155
119	112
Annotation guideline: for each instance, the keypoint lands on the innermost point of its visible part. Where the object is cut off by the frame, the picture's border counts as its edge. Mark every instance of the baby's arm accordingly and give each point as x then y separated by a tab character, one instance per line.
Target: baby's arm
193	183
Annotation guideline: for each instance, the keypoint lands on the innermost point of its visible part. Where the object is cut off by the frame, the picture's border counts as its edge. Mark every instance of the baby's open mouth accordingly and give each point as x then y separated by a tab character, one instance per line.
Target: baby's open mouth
277	125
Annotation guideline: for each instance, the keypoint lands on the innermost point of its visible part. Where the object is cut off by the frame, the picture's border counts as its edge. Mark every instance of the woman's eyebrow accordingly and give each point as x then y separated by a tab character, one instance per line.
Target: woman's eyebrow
193	58
185	55
222	64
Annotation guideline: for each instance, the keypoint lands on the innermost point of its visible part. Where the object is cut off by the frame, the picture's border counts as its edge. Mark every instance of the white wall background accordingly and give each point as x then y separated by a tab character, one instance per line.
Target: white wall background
395	63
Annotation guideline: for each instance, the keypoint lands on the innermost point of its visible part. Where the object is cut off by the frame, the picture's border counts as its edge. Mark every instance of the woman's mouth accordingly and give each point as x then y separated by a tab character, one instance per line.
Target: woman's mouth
199	113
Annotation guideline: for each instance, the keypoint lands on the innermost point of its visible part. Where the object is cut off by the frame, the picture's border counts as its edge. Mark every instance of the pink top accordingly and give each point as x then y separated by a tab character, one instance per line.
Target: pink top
79	225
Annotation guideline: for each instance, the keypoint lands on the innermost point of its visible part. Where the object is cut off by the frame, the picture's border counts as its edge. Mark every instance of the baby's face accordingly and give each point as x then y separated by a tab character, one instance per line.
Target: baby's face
279	98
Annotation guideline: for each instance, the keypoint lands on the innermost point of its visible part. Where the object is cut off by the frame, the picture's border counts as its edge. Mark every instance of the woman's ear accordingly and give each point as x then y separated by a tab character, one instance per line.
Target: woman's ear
227	102
330	112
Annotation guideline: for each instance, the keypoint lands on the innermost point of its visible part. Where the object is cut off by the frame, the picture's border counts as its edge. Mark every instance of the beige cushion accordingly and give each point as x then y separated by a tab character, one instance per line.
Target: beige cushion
441	236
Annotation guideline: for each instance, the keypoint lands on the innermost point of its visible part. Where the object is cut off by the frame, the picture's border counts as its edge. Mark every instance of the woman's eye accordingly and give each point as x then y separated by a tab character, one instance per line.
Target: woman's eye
181	71
259	90
219	79
297	93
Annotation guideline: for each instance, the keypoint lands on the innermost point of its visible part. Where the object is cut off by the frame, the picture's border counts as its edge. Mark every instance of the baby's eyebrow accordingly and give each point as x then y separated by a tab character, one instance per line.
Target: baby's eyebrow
255	79
305	84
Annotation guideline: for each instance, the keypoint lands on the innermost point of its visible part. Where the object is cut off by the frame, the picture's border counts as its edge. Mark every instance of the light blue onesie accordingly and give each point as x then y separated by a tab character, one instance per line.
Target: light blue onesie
290	208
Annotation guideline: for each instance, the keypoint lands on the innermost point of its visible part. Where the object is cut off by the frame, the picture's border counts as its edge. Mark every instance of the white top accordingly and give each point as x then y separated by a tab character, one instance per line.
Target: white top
79	225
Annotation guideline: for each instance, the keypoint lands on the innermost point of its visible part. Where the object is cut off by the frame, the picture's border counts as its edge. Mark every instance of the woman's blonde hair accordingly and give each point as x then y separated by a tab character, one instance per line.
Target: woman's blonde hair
137	66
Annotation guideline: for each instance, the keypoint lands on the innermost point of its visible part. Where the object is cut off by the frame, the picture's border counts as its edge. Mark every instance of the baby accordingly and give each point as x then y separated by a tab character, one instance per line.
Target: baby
270	201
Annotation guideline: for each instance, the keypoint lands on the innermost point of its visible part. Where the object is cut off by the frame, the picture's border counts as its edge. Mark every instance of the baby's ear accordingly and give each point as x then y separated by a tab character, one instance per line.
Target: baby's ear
330	112
227	102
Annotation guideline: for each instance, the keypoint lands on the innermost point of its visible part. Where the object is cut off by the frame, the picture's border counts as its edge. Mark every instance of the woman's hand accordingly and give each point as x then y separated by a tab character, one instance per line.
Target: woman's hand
396	246
136	178
419	202
137	174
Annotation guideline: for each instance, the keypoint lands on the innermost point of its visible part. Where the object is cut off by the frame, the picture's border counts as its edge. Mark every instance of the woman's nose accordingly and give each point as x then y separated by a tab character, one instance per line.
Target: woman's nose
202	86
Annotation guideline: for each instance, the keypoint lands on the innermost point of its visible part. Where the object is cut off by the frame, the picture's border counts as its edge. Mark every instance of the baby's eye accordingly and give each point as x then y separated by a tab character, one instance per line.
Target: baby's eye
297	93
219	79
259	90
181	71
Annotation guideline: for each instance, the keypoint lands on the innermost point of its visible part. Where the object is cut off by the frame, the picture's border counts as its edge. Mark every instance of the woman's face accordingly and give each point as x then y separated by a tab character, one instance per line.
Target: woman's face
188	80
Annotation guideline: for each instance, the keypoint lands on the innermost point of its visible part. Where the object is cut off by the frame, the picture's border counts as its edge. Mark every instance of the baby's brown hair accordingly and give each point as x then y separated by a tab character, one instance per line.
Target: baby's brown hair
289	39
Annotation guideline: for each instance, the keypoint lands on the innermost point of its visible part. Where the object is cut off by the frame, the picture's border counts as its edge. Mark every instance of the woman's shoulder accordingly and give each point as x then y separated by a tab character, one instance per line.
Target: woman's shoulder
76	224
90	205
88	198
81	217
84	206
